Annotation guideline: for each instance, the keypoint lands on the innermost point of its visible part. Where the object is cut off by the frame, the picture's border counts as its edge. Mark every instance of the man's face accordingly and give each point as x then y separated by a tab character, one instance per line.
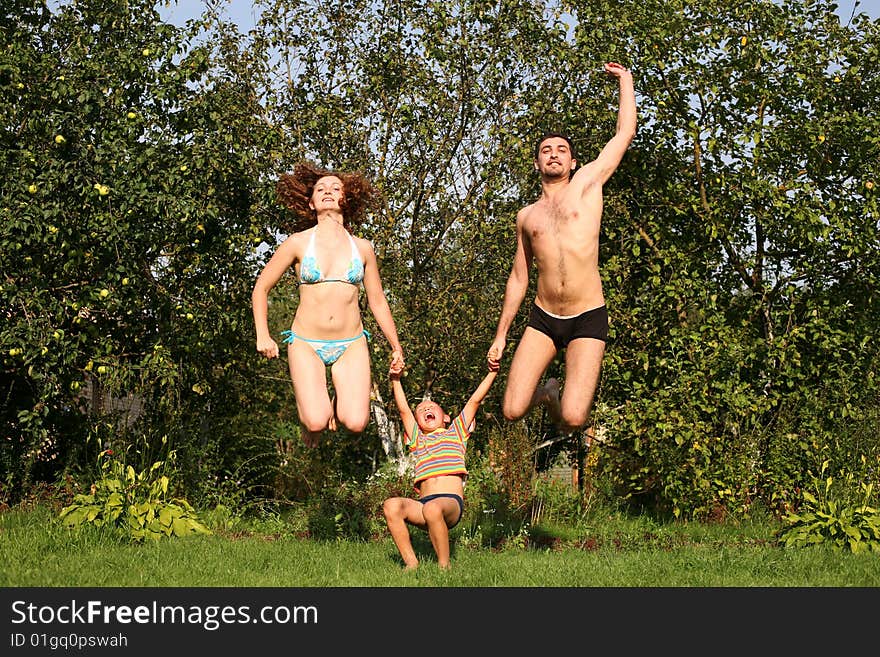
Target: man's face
554	158
430	417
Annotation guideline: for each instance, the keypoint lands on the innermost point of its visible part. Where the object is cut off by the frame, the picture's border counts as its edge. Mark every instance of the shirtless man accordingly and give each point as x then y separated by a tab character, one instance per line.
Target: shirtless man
560	232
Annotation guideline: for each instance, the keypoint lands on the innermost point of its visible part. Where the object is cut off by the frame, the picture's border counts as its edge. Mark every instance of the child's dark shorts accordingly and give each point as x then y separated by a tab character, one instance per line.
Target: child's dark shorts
457	498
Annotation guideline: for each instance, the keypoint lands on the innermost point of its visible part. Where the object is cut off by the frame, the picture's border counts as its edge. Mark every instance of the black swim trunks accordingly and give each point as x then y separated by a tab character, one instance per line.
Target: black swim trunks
562	330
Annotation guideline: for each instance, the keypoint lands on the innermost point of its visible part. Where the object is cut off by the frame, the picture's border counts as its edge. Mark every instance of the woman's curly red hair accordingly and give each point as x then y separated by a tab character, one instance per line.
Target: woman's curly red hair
294	190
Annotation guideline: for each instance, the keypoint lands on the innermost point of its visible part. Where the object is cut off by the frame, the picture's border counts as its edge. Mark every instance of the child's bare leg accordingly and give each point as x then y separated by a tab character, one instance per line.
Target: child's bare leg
439	533
395	510
435	516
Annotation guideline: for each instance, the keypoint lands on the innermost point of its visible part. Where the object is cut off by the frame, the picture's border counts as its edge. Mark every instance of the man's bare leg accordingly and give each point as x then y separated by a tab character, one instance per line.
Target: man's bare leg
533	354
583	365
548	395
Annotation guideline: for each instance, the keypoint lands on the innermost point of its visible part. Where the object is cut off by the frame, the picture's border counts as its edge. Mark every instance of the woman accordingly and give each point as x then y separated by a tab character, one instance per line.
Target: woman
330	265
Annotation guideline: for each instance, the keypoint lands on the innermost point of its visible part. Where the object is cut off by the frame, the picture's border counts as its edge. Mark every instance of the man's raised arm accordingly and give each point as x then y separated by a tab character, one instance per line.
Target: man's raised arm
601	169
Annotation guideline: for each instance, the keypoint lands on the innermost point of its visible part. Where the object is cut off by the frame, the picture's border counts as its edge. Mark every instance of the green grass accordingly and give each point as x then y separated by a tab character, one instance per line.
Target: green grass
607	550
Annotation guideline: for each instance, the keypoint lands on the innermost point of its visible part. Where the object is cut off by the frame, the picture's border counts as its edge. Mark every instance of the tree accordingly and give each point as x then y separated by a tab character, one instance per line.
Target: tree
739	250
126	234
748	219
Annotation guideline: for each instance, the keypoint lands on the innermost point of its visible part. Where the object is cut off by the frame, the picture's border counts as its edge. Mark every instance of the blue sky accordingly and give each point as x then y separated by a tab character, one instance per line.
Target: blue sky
180	11
870	7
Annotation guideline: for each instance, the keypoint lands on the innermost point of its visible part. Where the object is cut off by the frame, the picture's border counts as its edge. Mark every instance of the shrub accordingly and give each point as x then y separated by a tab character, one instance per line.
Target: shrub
352	509
133	502
825	519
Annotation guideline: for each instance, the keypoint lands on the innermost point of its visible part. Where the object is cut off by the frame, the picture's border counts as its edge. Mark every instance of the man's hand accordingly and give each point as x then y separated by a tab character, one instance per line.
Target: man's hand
397	363
615	69
494	354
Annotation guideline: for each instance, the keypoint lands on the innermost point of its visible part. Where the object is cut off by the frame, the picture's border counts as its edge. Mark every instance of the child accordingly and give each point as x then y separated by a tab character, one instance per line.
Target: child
439	450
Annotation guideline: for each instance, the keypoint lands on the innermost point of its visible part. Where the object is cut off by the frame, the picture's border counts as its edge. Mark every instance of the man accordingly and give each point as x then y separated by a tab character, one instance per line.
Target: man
560	232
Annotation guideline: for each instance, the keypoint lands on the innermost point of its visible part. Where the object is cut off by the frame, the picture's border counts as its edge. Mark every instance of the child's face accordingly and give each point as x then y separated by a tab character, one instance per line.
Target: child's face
430	417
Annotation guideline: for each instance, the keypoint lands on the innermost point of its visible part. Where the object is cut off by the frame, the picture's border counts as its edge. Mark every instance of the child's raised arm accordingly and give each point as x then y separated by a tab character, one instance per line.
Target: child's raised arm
406	416
470	408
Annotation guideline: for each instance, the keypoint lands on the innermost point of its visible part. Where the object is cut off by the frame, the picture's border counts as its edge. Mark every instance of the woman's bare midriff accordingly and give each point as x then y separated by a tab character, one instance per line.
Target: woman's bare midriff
328	314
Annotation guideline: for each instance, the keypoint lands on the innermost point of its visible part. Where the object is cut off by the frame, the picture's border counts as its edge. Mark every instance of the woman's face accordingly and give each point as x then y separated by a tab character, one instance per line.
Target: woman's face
327	194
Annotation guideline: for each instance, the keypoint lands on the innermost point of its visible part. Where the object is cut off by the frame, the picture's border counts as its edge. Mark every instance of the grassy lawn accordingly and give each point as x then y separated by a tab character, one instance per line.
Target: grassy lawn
602	551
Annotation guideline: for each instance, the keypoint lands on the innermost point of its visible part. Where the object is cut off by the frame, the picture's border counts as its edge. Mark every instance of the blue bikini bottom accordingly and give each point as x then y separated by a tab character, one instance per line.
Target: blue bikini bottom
328	351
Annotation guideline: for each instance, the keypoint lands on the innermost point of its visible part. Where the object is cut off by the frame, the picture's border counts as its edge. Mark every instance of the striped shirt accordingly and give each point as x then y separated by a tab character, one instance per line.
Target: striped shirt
440	452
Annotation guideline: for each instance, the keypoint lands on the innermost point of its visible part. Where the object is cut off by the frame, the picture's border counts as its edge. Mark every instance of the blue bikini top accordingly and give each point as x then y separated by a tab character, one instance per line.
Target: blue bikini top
310	273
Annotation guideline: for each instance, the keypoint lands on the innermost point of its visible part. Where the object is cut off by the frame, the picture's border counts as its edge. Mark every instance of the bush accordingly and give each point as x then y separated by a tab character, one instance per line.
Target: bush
353	510
133	502
829	518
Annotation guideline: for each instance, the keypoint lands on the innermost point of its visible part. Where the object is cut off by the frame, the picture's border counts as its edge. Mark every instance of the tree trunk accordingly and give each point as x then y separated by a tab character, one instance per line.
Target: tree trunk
391	442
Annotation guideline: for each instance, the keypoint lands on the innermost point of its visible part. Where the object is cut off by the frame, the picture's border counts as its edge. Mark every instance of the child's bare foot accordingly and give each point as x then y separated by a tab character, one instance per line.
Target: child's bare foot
411	566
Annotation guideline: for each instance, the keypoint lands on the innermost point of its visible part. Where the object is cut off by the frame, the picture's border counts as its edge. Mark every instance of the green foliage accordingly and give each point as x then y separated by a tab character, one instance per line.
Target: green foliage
352	510
827	518
135	167
511	466
557	501
496	513
134	503
736	316
739	247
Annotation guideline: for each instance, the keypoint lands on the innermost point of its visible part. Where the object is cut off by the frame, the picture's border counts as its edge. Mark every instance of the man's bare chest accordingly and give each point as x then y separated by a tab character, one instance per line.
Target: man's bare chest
547	232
